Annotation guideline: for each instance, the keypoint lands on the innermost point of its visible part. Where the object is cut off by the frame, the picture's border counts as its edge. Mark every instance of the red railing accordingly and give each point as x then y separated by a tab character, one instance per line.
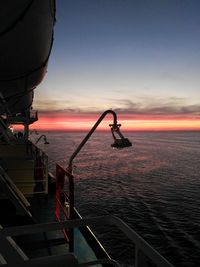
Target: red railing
64	205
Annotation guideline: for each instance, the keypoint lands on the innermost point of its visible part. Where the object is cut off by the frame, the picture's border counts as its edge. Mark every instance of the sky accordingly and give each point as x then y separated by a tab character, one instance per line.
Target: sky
140	58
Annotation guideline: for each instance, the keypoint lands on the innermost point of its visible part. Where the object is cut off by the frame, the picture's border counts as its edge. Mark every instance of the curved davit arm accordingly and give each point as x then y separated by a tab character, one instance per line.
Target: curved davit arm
118	142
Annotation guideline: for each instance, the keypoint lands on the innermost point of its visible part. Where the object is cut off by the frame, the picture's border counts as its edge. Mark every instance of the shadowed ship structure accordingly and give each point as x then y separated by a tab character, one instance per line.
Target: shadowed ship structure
39	225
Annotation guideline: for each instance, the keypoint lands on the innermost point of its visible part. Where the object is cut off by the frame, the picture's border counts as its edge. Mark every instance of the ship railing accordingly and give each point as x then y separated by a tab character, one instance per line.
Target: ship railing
31	174
67	203
40	170
29	188
27	166
64	206
15	195
145	255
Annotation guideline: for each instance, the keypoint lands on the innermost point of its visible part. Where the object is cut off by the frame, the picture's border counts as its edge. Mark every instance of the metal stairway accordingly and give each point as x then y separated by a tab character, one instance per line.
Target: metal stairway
14	194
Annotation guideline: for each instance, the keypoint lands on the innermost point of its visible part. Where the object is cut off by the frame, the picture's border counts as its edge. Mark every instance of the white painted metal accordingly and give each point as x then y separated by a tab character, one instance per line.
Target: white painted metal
140	244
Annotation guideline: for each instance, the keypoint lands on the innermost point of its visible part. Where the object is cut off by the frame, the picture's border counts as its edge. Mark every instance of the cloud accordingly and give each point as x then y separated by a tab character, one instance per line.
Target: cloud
49	104
171	108
159	108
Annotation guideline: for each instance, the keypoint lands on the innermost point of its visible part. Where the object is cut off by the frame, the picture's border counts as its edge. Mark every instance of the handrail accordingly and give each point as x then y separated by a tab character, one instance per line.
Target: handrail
61	173
14	194
140	244
60	182
41	165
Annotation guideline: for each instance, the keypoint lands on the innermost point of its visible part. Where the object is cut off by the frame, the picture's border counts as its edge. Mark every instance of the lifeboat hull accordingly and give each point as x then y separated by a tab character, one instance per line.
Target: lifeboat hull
26	37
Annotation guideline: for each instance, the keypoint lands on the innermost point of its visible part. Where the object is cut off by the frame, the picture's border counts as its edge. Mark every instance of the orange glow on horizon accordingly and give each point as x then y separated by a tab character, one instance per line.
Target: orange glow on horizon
76	123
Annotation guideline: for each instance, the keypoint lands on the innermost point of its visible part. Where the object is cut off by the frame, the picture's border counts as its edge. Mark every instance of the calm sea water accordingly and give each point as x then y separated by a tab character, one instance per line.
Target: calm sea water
154	186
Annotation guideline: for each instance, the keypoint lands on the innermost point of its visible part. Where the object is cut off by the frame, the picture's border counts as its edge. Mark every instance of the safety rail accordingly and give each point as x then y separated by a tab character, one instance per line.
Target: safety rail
40	170
65	206
142	248
40	179
12	191
144	253
25	180
61	175
27	166
22	118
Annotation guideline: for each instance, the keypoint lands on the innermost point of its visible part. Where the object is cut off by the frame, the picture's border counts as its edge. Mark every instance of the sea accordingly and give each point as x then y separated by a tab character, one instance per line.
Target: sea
154	186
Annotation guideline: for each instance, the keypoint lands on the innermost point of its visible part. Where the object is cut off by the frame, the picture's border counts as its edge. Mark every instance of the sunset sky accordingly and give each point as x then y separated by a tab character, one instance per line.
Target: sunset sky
140	58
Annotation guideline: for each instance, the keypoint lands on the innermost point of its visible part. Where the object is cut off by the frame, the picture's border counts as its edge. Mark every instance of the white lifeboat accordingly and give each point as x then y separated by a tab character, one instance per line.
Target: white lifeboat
26	37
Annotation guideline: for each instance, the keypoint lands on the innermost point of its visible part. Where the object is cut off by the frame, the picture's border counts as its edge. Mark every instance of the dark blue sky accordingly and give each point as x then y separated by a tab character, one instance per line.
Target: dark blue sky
135	56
